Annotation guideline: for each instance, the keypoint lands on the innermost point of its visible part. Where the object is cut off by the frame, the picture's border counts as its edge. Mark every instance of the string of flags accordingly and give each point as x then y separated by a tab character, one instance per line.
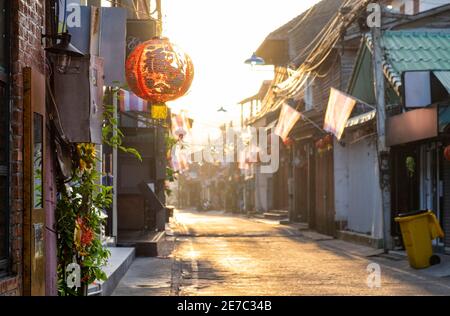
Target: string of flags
128	101
339	108
288	117
180	129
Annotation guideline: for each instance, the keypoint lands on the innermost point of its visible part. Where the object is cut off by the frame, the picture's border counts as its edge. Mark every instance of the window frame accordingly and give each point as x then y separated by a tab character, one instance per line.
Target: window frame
5	80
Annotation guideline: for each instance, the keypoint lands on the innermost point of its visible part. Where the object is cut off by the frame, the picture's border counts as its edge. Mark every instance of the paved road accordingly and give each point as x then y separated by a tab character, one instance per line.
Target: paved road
219	254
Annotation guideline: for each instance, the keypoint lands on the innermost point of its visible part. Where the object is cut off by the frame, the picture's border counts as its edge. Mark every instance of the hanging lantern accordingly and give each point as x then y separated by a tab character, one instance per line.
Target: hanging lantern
288	142
158	71
447	153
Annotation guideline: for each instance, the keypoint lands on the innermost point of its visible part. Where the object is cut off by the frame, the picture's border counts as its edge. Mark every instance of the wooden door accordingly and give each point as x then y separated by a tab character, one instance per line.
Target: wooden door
34	216
405	185
324	210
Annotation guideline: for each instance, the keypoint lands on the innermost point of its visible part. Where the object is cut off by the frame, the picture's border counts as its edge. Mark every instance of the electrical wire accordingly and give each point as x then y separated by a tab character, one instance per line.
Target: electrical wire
326	40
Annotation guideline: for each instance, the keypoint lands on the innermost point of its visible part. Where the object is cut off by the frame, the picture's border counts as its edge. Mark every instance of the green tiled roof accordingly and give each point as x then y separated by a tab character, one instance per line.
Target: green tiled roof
414	50
417	50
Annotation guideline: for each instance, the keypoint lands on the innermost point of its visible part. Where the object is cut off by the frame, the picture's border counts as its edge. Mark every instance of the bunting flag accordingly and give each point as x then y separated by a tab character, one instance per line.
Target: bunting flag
242	160
288	117
180	125
340	106
180	161
128	101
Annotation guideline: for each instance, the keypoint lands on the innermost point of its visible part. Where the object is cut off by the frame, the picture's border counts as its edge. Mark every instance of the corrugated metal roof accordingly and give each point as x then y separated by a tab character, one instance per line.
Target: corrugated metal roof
444	78
309	23
414	50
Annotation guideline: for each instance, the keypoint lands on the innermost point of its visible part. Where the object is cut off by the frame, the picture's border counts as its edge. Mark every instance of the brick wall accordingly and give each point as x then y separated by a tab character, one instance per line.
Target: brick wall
27	17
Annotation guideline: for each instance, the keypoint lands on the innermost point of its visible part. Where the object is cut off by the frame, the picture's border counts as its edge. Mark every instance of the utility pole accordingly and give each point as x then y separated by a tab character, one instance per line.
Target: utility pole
383	150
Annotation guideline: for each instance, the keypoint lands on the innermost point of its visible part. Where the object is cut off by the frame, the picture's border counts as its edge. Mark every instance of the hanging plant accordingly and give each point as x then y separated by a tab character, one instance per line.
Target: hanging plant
79	216
410	166
79	223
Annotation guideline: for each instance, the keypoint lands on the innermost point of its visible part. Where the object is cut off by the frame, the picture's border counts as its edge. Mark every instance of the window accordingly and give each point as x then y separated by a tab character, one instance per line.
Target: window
4	140
309	101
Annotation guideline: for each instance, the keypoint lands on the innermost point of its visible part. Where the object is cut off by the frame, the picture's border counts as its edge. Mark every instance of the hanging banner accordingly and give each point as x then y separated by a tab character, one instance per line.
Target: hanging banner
340	106
288	117
180	125
159	111
112	44
179	161
128	101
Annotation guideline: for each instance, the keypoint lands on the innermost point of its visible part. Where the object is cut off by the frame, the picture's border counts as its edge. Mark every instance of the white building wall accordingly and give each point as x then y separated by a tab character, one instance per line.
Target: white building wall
430	4
424	5
365	207
357	191
341	179
261	191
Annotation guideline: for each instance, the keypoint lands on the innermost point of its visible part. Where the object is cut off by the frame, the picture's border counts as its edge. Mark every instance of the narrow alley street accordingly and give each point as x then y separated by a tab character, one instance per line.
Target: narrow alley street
216	253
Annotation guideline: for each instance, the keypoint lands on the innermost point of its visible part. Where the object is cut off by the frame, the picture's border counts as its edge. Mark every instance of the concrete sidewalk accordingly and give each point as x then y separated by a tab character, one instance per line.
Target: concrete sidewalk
149	276
441	270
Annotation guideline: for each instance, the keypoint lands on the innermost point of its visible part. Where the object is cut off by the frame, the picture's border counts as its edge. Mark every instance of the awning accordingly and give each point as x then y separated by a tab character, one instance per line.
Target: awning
444	78
360	119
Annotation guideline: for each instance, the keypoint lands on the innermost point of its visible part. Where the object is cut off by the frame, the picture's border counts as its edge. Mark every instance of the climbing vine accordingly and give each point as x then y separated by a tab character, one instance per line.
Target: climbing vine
80	217
79	223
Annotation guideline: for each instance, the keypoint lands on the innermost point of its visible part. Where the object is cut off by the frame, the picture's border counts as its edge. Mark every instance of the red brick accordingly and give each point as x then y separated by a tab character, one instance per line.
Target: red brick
27	17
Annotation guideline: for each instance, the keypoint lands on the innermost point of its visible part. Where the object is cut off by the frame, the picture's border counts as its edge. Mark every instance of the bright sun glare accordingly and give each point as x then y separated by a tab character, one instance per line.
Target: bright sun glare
219	35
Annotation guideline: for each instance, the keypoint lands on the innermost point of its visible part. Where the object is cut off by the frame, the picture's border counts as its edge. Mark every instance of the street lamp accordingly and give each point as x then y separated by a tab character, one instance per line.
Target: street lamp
63	50
255	60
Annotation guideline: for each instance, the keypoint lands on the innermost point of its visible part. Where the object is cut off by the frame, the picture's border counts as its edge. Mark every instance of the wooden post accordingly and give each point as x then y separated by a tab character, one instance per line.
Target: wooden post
383	150
114	172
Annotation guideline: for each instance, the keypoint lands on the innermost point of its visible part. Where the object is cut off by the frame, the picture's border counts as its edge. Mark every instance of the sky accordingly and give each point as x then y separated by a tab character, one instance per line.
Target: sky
219	36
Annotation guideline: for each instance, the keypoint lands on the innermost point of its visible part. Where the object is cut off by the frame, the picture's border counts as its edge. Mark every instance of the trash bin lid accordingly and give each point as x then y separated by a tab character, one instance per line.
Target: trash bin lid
412	213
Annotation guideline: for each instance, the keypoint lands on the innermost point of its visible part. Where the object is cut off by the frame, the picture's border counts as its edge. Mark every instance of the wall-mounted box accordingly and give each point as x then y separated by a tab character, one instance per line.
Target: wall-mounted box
79	100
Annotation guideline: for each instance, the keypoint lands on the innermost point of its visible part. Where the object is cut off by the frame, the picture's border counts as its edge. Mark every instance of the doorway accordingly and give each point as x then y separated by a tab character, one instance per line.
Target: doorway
34	179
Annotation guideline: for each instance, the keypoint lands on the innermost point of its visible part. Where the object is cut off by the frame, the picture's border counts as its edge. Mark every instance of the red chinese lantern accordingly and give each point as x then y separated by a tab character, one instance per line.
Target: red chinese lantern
320	144
158	71
447	153
328	139
288	142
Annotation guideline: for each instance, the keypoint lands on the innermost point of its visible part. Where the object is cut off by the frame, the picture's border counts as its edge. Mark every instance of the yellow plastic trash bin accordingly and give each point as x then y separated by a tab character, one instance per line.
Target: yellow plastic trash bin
418	231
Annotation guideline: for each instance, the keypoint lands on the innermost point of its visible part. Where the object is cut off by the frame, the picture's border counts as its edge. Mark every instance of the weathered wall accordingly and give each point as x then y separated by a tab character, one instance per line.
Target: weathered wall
341	179
365	203
26	19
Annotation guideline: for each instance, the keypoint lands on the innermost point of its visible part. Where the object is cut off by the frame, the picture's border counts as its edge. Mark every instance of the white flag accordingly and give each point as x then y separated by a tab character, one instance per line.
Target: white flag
340	106
288	117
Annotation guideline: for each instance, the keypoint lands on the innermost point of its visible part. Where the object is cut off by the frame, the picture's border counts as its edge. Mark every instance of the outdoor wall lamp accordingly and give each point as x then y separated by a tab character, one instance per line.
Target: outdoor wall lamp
63	51
255	60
